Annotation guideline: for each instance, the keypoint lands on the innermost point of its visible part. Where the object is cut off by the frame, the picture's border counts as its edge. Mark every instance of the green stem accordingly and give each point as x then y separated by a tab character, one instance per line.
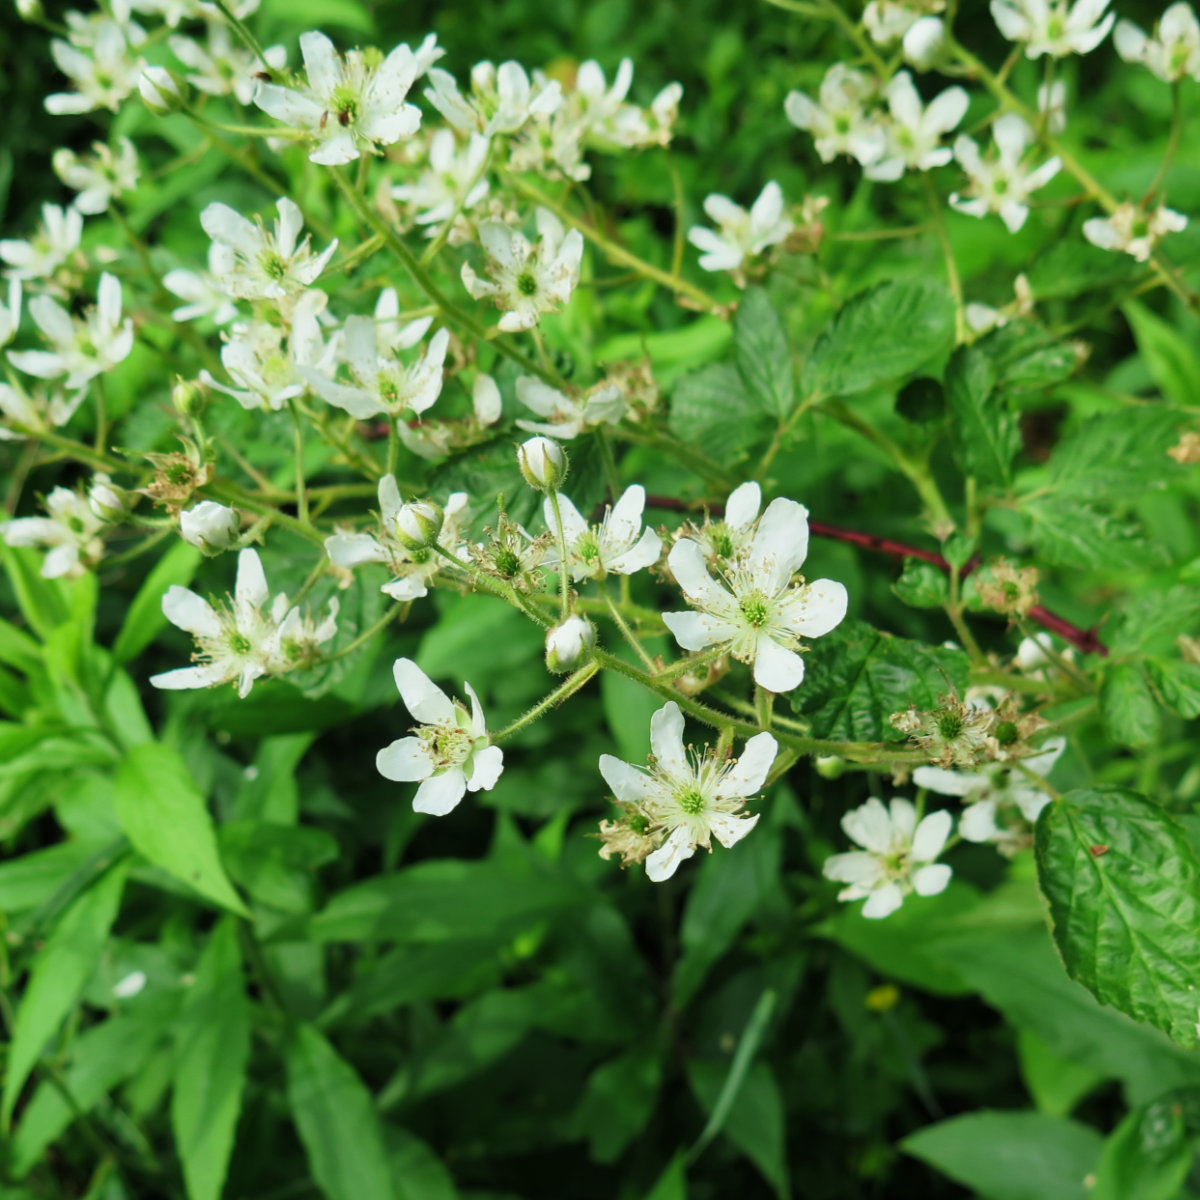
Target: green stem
368	634
497	587
298	450
564	570
246	36
431	251
615	613
609	463
568	687
1172	141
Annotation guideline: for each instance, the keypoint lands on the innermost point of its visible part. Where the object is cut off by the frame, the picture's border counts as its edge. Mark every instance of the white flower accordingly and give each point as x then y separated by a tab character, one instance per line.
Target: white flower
527	279
224	67
256	265
413	569
897	857
240	641
70	531
915	131
10	313
924	41
451	753
55	241
100	177
349	105
1054	27
203	291
382	383
742	234
1002	801
618	544
983	317
485	400
543	463
569	643
726	542
452	182
210	526
1000	184
83	348
840	123
160	91
101	63
568	416
36	412
501	100
687	799
1133	230
1052	104
759	613
1172	53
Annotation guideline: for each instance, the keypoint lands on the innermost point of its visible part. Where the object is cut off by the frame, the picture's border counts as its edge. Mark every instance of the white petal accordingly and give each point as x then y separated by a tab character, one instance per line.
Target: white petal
251	588
666	741
978	822
856	867
627	783
351	549
182	607
663	862
929	881
441	794
486	767
750	771
743	504
776	668
948	783
422	697
931	835
696	631
406	760
816	608
883	902
626	517
687	564
728	829
638	557
870	826
190	677
780	545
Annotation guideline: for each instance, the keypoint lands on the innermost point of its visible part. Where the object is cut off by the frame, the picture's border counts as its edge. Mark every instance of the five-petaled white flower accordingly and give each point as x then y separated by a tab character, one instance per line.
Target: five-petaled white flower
897	856
203	291
71	532
742	234
686	800
1054	27
83	348
839	121
501	101
1001	184
450	754
454	180
527	279
223	67
915	130
55	241
618	544
101	62
726	541
758	612
256	265
566	416
1132	230
100	176
1172	53
348	105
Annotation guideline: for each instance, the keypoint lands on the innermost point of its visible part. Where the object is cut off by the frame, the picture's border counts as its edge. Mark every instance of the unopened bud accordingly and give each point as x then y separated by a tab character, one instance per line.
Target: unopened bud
109	503
830	766
210	526
543	462
924	41
189	398
29	10
418	524
569	644
160	91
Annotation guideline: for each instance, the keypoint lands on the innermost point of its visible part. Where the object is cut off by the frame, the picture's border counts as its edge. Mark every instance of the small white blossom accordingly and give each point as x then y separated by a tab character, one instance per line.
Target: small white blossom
569	644
501	101
98	177
70	532
485	400
897	856
56	240
618	544
915	131
38	411
686	799
224	66
210	526
527	279
107	501
351	105
742	233
100	61
1132	230
450	754
83	348
1172	53
203	290
566	416
839	122
452	182
1000	183
1054	27
759	613
726	542
924	41
887	21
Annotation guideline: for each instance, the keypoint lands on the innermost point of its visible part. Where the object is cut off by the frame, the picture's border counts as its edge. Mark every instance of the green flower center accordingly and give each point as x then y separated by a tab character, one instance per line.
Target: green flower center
1007	733
527	284
754	608
239	643
950	726
692	801
273	267
508	563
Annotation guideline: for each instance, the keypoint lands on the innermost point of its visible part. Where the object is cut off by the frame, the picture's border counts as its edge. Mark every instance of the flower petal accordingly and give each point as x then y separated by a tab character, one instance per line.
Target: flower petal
406	760
441	794
422	697
486	767
750	771
183	608
775	668
663	862
666	741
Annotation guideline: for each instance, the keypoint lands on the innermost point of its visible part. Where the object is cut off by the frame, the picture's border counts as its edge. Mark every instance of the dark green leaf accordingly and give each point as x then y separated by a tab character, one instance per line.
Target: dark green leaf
1149	1154
921	584
1127	706
711	410
145	616
984	429
618	1101
764	360
1071	534
1172	361
921	401
1117	454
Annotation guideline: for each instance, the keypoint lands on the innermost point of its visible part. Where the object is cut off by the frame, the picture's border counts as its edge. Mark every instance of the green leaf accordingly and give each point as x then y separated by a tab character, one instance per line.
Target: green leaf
42	601
1149	1155
417	1172
618	1102
1128	708
60	971
1178	684
1118	455
1152	620
858	676
1026	359
276	864
145	617
711	410
1123	884
1056	1084
983	427
336	1119
628	708
1011	1155
882	335
672	1183
316	14
168	822
210	1066
1072	266
493	638
921	584
764	360
1071	534
1172	362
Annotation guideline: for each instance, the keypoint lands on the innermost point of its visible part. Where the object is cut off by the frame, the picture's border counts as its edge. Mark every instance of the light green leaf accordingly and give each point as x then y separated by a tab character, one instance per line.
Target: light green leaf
167	820
711	410
1071	534
1178	683
921	584
418	1173
672	1183
628	708
210	1068
1150	1153
762	354
42	601
1172	362
984	429
1056	1084
1118	455
145	617
60	971
1123	884
336	1119
1128	708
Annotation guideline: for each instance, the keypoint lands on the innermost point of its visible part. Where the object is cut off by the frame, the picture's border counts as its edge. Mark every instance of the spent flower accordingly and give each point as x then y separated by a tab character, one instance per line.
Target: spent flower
1131	229
566	417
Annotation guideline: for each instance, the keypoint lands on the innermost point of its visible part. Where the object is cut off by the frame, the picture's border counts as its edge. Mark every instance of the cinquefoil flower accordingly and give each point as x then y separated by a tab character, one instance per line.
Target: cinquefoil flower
1172	53
741	234
839	122
1001	184
1133	230
915	130
684	800
450	753
618	544
1054	27
896	859
757	611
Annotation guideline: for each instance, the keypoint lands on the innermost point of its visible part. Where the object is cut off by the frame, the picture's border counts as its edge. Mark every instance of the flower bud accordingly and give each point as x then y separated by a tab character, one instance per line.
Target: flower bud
188	398
160	91
830	766
109	503
924	41
29	10
418	524
543	462
210	526
569	644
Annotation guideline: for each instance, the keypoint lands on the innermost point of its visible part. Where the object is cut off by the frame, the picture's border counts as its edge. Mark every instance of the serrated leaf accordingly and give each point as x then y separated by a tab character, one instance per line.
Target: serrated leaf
1149	1154
1072	266
1128	708
145	617
711	410
921	584
1151	621
1172	362
764	360
213	1035
1178	684
882	335
167	821
1118	454
1123	883
983	427
1071	534
1025	358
